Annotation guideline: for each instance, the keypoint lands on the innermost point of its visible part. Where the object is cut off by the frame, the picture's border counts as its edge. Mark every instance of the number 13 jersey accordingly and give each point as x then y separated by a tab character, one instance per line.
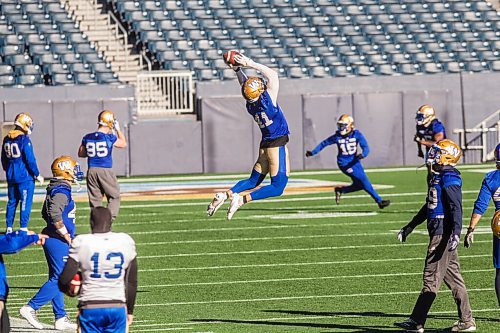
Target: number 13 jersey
103	259
270	118
99	147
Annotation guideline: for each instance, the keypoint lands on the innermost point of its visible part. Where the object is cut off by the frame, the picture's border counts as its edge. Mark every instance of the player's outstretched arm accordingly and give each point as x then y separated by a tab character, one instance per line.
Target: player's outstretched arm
271	76
480	206
327	142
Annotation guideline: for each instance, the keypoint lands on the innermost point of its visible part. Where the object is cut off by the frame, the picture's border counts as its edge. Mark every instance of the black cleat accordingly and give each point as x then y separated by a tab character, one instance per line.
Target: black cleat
338	194
409	325
384	203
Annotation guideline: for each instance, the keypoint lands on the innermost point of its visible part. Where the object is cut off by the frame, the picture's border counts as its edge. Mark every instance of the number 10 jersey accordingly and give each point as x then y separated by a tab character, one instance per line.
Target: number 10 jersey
99	147
103	259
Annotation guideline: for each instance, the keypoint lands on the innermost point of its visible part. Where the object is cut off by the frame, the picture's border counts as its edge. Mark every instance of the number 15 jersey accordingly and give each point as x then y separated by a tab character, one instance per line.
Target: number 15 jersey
103	260
99	147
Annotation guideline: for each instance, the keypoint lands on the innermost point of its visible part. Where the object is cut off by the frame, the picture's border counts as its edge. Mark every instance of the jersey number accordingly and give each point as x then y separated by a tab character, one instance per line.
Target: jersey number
113	274
98	149
12	150
433	198
263	121
348	148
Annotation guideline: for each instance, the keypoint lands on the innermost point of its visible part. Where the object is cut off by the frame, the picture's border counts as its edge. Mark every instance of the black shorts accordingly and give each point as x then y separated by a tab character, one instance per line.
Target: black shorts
278	142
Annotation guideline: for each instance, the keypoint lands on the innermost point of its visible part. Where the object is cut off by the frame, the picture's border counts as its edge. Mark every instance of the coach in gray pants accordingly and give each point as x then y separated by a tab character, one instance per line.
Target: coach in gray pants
98	147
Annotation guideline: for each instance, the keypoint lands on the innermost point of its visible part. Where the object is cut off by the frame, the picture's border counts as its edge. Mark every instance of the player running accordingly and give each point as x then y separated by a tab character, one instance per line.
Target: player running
19	163
429	129
444	224
261	103
108	265
347	139
98	148
490	189
58	211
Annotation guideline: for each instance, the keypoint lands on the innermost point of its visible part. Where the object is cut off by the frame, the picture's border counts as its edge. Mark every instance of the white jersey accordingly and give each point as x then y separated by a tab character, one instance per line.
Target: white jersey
103	259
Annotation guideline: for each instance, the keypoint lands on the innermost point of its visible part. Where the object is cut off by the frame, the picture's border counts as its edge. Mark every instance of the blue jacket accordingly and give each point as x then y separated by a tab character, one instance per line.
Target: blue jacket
347	147
18	158
9	244
490	189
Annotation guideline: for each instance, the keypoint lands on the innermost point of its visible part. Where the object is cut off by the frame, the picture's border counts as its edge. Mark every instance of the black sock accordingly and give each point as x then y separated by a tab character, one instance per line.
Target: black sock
497	285
244	199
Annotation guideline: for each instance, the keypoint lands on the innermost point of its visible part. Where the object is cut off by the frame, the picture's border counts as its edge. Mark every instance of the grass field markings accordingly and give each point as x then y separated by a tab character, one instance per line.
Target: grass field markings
290	298
272	264
335	277
163	329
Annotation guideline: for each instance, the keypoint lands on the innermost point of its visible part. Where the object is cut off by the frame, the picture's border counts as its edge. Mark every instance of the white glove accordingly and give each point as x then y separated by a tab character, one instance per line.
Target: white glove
454	241
243	60
116	125
40	179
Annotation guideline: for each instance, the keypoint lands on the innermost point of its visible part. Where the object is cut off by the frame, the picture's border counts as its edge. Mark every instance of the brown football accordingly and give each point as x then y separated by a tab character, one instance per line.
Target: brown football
229	57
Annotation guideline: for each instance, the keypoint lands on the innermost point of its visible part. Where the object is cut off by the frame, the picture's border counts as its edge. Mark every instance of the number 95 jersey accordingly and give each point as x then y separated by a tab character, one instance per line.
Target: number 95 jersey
99	147
103	260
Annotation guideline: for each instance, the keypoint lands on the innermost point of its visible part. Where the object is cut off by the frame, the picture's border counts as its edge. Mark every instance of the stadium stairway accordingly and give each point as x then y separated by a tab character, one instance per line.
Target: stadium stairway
109	36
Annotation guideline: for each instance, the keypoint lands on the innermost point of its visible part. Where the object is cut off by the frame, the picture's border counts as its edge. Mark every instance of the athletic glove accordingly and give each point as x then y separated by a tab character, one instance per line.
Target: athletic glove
454	241
116	125
309	153
40	179
360	156
404	233
416	138
469	237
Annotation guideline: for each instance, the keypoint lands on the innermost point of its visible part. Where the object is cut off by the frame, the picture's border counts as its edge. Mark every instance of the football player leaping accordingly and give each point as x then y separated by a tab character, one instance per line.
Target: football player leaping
347	139
261	103
490	189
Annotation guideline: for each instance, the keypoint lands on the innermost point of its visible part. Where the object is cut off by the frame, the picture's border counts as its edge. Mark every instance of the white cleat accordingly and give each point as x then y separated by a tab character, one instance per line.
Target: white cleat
8	230
28	313
236	203
216	203
63	324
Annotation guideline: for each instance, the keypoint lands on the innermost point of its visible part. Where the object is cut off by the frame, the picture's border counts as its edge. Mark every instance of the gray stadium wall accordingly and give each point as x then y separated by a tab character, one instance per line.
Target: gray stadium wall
226	139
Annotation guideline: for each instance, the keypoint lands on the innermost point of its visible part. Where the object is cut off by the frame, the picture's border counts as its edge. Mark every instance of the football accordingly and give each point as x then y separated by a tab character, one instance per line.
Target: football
75	284
229	58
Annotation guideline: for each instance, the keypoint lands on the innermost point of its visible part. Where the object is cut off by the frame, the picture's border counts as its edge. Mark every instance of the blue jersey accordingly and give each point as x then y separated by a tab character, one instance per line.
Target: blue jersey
347	146
490	189
270	118
444	202
18	158
99	147
12	243
428	133
68	212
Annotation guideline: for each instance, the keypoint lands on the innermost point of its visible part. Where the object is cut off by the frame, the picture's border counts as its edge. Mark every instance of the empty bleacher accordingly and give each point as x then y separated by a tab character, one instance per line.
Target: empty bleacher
318	38
40	44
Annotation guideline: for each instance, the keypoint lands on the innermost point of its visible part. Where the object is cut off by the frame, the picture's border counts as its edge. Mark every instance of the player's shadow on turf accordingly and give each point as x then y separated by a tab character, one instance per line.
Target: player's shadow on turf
356	328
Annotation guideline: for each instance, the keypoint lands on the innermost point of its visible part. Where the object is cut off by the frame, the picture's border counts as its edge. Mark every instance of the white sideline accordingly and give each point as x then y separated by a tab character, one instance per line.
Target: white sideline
289	298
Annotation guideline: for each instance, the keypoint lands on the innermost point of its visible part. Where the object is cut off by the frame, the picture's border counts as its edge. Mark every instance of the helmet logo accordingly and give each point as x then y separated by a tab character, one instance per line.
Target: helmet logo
254	85
64	165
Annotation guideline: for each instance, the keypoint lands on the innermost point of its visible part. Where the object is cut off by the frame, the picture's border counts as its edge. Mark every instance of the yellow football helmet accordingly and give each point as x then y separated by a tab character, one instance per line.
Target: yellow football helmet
25	122
65	167
444	152
425	114
106	118
252	88
345	124
495	224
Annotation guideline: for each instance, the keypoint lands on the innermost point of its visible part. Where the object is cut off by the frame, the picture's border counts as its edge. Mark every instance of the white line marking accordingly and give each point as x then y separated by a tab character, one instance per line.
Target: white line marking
289	298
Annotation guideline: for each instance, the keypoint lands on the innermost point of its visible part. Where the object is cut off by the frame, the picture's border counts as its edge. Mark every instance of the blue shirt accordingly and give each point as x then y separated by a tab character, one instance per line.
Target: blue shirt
18	158
270	118
99	147
428	133
490	189
347	146
12	243
68	213
444	202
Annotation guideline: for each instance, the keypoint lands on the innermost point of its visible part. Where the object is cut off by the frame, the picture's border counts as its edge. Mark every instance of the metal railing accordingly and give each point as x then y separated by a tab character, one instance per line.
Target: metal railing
164	93
485	137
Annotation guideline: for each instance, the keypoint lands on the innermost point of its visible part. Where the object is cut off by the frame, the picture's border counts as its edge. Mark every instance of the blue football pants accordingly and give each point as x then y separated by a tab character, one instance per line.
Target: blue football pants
359	181
103	320
20	192
273	161
56	253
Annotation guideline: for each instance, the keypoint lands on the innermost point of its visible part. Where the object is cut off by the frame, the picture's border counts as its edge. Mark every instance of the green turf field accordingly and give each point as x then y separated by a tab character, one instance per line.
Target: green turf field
298	263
